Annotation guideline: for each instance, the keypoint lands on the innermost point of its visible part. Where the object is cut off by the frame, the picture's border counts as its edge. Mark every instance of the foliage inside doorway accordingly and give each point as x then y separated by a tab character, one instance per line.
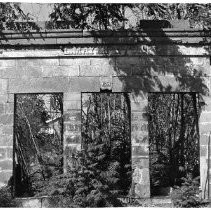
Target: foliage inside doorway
173	138
37	141
106	138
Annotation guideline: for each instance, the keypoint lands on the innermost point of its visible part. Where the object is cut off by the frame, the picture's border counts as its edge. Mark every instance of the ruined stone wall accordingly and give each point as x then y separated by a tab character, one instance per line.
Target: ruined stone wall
137	68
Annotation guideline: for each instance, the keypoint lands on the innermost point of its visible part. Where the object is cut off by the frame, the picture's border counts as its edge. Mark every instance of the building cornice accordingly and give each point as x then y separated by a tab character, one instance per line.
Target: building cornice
83	37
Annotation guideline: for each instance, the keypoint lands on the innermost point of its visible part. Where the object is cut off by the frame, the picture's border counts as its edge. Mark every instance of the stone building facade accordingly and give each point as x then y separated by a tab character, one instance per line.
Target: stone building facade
75	61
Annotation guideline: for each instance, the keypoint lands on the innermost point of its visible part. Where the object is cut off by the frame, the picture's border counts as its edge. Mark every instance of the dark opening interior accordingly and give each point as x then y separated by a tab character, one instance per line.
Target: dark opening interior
173	139
38	134
106	125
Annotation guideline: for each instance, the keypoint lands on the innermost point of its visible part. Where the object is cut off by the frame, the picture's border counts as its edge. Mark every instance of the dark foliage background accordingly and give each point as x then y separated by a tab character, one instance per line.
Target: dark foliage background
173	138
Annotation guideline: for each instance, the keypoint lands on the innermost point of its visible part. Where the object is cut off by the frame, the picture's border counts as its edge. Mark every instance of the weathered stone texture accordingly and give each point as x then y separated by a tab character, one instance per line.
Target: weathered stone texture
6	119
137	69
5	176
39	85
2	108
3	86
84	84
6	140
56	71
205	127
72	96
7	63
72	105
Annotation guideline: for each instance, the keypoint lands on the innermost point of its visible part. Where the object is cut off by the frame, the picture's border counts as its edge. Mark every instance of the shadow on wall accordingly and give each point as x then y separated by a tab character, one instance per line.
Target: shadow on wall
159	66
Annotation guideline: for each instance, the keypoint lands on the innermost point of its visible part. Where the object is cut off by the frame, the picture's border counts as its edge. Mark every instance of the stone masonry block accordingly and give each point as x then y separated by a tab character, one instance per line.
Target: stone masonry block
21	62
203	150
3	86
6	140
142	191
71	127
43	62
3	153
84	61
12	72
73	138
205	117
139	116
143	98
118	84
70	96
96	70
127	61
139	162
139	126
102	61
207	106
32	71
2	108
67	62
6	165
139	137
7	130
5	176
71	105
140	151
139	106
31	203
140	85
201	64
34	85
10	98
9	152
74	116
84	84
204	139
3	98
205	127
141	176
9	108
6	119
7	63
65	71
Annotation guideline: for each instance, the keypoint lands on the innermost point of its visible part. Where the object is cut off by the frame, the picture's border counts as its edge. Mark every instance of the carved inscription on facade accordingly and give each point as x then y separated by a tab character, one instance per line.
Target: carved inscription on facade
110	50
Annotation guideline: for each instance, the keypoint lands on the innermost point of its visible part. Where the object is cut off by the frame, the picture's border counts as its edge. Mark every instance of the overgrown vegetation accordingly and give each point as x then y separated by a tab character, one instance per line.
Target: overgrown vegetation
188	194
38	142
112	16
6	199
103	169
173	138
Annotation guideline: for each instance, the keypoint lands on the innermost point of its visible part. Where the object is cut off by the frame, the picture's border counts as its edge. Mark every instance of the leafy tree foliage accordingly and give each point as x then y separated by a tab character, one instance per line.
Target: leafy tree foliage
10	14
38	149
96	16
6	199
187	195
112	16
197	14
105	163
173	138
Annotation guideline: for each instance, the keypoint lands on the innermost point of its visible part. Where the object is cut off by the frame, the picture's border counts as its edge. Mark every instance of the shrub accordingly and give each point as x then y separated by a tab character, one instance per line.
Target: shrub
6	199
85	186
188	194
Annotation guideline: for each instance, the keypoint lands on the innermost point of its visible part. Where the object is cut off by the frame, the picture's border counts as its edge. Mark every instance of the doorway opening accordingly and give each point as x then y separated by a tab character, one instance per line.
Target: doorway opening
106	135
38	145
173	139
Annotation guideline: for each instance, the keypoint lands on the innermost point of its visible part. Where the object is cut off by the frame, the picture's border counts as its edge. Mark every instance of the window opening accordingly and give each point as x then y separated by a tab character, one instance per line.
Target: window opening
38	134
173	139
106	134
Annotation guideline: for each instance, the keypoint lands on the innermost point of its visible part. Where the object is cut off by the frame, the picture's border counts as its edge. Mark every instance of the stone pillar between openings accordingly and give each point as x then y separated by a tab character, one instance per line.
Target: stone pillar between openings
140	148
